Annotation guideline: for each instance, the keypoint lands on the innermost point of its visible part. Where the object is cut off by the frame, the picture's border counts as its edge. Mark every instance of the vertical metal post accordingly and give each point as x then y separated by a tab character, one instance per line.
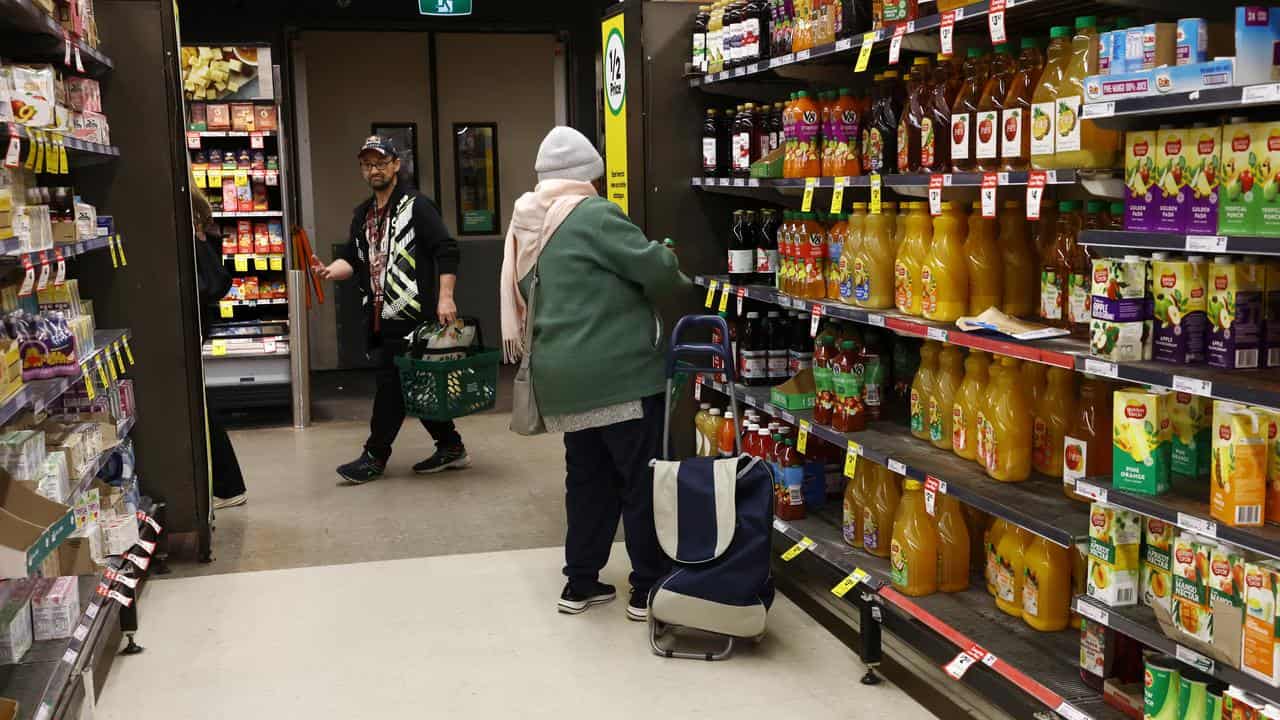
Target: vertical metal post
299	349
869	630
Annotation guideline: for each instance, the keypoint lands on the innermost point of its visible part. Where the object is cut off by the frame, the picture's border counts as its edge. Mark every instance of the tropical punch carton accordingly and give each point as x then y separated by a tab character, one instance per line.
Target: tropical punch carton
1141	175
1206	168
1240	198
1235	313
1141	441
1261	657
1156	583
1172	194
1192	421
1238	475
1115	536
1192	608
1181	320
1267	139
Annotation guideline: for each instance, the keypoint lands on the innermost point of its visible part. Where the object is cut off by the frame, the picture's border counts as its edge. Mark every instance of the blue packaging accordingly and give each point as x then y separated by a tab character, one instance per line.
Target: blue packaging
1257	45
815	485
1106	42
1132	60
1161	81
1193	41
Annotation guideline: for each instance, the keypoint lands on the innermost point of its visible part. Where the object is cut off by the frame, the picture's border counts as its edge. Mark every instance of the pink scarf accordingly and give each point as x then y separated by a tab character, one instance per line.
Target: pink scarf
537	216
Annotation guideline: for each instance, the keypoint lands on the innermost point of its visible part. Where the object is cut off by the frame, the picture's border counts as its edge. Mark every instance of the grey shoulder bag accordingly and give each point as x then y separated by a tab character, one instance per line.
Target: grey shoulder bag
526	419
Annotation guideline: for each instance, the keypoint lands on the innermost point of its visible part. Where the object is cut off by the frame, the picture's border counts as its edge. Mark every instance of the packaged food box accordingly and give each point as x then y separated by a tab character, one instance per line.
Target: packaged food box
1120	341
55	608
1141	441
1257	33
250	289
1115	536
1097	648
244	236
1160	81
275	230
1149	46
1192	41
1226	575
261	239
199	118
1192	423
1206	167
1141	173
1271	310
230	199
219	116
1235	313
15	620
1156	583
119	534
265	118
1239	705
1171	196
1240	197
230	245
1268	141
1192	608
242	117
1238	485
1110	52
1119	289
1180	322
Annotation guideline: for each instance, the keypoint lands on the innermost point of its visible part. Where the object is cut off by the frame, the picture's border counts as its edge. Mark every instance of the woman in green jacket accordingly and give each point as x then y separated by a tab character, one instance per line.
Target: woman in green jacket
597	359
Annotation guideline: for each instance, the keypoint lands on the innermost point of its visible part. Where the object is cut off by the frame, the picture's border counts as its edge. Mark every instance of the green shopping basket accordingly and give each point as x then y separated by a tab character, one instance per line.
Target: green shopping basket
448	389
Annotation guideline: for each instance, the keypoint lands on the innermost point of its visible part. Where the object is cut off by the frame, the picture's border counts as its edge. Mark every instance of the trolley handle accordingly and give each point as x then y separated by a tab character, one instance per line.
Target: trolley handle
722	349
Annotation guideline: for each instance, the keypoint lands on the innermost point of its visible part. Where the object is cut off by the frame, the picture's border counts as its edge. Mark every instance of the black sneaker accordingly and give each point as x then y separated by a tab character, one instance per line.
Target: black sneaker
638	607
449	458
362	469
575	600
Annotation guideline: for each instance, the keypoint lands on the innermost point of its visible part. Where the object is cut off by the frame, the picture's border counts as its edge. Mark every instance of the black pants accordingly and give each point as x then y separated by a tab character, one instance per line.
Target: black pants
388	403
228	481
608	477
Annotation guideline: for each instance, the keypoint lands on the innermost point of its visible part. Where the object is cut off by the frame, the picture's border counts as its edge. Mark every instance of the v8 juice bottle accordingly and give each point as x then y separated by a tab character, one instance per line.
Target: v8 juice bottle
908	282
987	129
845	124
1021	280
1015	118
964	409
953	545
808	161
935	121
963	111
1044	99
909	121
880	510
913	554
1054	413
1009	569
1046	585
985	263
873	262
944	276
1081	143
923	388
850	413
942	402
1009	456
824	352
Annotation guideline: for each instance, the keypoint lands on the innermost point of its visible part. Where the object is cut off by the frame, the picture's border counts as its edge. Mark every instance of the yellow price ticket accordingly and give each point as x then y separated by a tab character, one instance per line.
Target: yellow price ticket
875	193
802	438
127	350
837	195
242	263
219	348
810	184
227	308
724	297
711	293
851	456
259	263
804	544
849	582
864	53
277	262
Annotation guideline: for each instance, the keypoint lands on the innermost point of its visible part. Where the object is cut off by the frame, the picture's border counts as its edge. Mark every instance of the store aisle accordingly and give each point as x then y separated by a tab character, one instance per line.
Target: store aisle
462	636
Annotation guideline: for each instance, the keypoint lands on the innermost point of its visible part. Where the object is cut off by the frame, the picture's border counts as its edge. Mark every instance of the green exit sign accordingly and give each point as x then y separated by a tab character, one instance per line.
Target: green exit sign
444	7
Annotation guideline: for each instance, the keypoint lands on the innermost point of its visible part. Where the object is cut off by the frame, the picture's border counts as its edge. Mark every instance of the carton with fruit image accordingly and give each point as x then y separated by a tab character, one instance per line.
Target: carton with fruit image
1115	536
1141	435
1235	313
1157	564
1140	175
1273	464
1192	423
1239	198
1172	193
1268	138
1119	289
1206	166
1261	657
1192	613
1238	473
1180	319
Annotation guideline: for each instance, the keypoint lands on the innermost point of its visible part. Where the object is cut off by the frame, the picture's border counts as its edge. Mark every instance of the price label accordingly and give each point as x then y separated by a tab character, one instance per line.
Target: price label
995	22
111	245
864	52
897	467
1268	92
92	610
935	195
876	320
1036	180
1194	659
1091	491
102	373
1093	612
60	277
851	455
260	263
193	140
33	148
43	282
971	656
129	352
13	155
802	437
742	299
932	488
1198	525
804	544
124	261
75	52
1098	110
142	562
895	44
989	183
810	184
711	293
255	140
42	150
938	334
269	347
845	44
81	632
1071	712
946	34
1207	243
725	294
63	166
28	278
837	195
815	317
215	177
803	55
277	262
88	387
241	178
119	596
227	308
850	582
119	357
242	263
697	387
1101	368
1194	386
69	657
123	579
273	178
875	193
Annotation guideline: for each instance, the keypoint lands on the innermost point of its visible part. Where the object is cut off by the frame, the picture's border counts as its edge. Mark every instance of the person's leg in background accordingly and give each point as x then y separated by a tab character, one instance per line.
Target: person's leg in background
228	480
592	509
450	453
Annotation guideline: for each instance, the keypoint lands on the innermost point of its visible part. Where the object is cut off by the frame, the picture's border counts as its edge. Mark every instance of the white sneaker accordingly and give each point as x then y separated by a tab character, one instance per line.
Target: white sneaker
224	503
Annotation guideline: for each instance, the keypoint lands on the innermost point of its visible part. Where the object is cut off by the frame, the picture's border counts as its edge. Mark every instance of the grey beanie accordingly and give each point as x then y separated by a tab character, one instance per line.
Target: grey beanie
566	154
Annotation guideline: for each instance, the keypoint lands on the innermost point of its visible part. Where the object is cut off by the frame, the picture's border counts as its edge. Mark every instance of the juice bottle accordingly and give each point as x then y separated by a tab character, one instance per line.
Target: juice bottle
712	433
1081	143
988	130
870	109
942	402
789	504
854	505
872	362
913	556
878	514
786	255
873	262
909	123
727	436
897	220
899	12
1046	585
906	364
767	248
799	254
808	162
826	145
986	411
985	263
1015	119
935	120
953	545
979	523
1056	266
964	412
1087	446
883	150
824	352
699	432
815	260
1054	413
850	413
854	238
837	236
908	285
1009	567
995	533
1035	378
944	276
922	389
1043	100
1010	452
962	114
1080	281
846	123
1042	233
1021	281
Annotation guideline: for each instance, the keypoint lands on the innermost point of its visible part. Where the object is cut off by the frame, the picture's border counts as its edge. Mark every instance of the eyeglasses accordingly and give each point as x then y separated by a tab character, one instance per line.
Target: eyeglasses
379	165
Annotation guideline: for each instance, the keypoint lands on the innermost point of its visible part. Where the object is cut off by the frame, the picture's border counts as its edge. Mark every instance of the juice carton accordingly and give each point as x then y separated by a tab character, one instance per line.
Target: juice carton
1239	199
1140	176
1238	705
1235	313
1238	485
1120	341
1192	41
1141	439
1257	33
1180	321
1261	647
1206	167
1157	564
1268	139
1192	422
1119	289
1192	609
1273	464
1226	580
1115	536
1271	311
1171	193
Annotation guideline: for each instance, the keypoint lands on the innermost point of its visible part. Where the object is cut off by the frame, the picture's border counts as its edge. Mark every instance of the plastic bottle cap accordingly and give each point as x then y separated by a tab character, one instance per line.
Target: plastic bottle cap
716	412
1124	22
845	91
1086	21
753	315
1002	49
974	52
1028	43
1117	208
803	93
826	340
911	484
774	314
890	74
1068	205
948	205
1059	31
705	406
1095	206
848	345
728	414
1221	259
763	432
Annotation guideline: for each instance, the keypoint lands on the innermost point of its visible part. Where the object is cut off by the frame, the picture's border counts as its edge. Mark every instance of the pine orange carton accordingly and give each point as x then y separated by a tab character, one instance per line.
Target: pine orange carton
1261	657
1238	482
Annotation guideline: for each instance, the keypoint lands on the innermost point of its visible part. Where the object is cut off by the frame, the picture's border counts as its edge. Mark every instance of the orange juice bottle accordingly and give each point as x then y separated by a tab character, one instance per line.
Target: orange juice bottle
913	555
808	136
986	410
1046	585
995	533
1035	378
845	121
942	403
789	137
953	545
922	389
1044	99
1055	411
912	252
1021	276
880	510
854	504
1009	567
873	264
944	277
1081	143
1009	457
985	263
964	409
837	236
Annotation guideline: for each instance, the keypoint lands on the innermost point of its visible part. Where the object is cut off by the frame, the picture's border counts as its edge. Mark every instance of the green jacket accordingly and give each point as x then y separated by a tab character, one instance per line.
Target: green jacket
597	339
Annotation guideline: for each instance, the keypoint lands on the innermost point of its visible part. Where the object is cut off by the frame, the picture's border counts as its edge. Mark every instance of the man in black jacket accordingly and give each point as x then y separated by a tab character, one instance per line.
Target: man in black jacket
406	263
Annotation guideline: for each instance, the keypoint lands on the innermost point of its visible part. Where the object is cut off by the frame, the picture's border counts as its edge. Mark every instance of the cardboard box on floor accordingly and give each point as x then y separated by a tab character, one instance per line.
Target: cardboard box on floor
31	529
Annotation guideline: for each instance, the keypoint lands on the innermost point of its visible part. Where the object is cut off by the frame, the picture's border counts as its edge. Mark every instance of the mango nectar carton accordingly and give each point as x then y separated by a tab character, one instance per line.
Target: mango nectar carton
1156	583
1192	607
1238	477
1115	536
1261	656
1141	441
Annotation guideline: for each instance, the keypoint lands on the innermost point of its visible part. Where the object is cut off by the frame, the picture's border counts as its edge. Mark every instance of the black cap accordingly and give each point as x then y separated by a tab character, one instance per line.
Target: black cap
381	145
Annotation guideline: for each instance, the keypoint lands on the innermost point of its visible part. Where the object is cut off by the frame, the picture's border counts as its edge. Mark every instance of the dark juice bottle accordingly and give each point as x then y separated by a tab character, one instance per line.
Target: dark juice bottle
872	106
987	130
743	145
935	122
871	364
824	404
850	413
1015	119
884	125
906	361
753	358
919	87
742	251
711	136
724	145
777	330
801	350
767	248
963	111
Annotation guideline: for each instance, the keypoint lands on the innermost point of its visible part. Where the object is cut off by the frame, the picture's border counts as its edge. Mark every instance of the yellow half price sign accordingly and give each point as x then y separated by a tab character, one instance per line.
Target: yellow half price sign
802	438
851	456
804	544
259	263
88	387
875	193
219	348
837	195
227	308
864	53
127	350
724	297
242	263
810	184
849	582
711	293
277	262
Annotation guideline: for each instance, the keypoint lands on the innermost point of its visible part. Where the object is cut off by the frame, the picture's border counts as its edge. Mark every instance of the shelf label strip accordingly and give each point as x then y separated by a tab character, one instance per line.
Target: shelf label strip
804	544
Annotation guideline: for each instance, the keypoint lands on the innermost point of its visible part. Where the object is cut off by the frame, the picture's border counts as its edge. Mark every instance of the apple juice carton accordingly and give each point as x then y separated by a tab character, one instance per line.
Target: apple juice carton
1141	439
1238	473
1192	421
1239	198
1140	177
1271	312
1235	313
1115	536
1239	705
1180	322
1171	194
1120	327
1205	156
1157	563
1261	657
1192	609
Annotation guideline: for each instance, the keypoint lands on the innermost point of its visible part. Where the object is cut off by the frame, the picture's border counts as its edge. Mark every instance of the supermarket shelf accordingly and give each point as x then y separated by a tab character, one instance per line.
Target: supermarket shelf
1037	505
80	152
38	394
1021	664
1252	387
1228	98
251	214
256	303
1204	244
86	478
911	180
230	133
22	16
8	248
1139	622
